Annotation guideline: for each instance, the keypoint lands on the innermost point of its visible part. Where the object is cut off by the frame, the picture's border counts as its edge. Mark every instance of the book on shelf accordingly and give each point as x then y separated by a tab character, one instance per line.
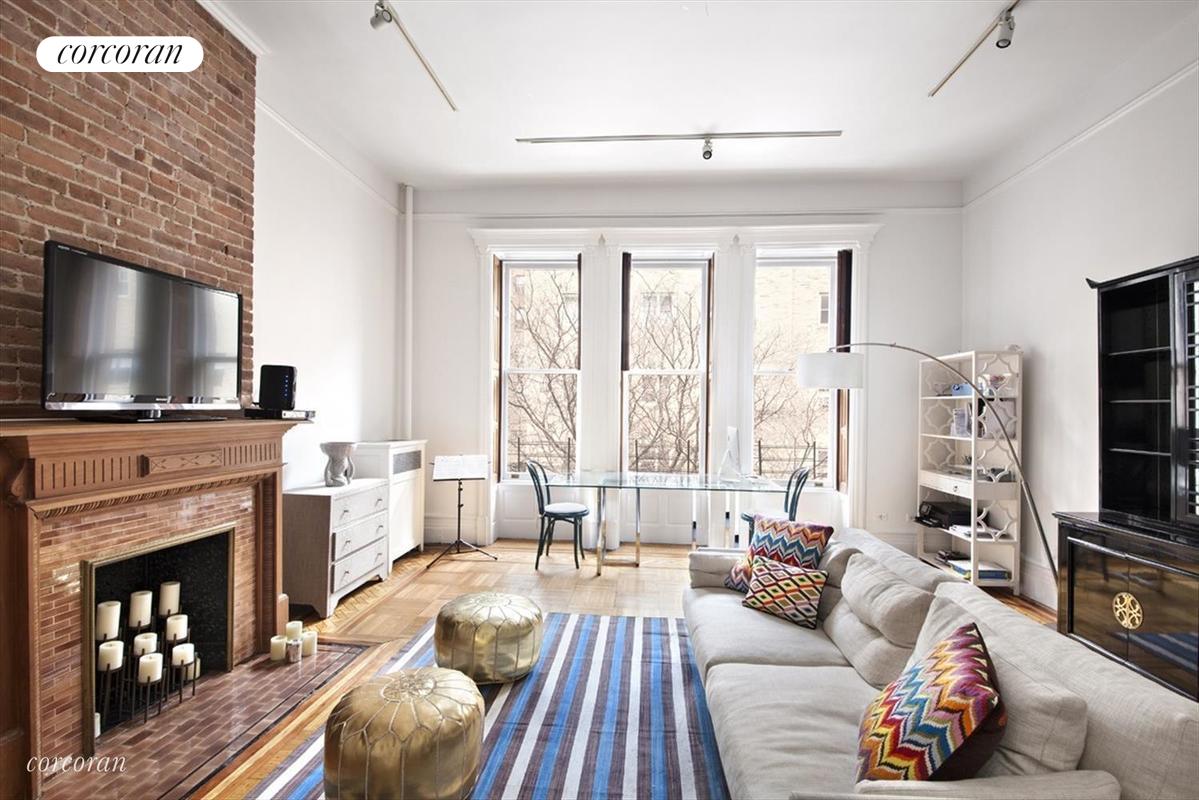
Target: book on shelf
987	570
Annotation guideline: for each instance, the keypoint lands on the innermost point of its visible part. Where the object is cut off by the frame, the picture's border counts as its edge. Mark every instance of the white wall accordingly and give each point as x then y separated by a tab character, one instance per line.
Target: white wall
1118	194
326	255
914	265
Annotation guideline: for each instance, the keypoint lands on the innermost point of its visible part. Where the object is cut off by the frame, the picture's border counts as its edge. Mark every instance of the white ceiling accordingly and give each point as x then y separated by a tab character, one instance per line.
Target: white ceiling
520	69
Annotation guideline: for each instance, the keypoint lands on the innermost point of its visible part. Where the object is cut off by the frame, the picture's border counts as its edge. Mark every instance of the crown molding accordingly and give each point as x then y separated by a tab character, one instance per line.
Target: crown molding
324	154
221	13
1087	133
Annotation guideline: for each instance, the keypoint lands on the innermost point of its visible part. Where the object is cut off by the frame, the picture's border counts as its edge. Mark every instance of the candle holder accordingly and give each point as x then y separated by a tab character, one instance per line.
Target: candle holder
183	670
108	675
150	689
167	646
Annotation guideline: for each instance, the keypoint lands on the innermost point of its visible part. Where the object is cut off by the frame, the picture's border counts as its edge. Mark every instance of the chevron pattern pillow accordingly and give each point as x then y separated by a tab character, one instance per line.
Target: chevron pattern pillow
792	593
738	577
800	544
940	720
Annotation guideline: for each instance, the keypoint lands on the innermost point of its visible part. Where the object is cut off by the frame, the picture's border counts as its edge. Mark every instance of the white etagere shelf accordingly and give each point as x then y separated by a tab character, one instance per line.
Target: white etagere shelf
962	458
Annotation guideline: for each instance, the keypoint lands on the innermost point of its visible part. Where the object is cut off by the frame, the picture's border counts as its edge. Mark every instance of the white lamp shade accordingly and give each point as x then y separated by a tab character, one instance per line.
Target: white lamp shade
830	370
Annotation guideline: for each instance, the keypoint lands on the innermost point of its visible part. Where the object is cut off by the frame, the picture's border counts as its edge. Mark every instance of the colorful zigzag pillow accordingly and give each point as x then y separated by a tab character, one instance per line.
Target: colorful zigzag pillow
940	720
800	544
792	593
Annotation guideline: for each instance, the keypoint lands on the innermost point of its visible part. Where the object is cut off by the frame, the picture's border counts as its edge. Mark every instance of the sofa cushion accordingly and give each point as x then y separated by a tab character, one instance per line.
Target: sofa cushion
1047	722
709	566
877	604
884	600
836	559
940	720
1142	733
784	591
800	733
877	660
1091	784
723	631
911	569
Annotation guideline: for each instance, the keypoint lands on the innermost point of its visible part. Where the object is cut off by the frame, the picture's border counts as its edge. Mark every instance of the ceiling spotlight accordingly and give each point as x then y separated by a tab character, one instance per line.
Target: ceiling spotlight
707	149
381	17
1006	27
1005	23
384	15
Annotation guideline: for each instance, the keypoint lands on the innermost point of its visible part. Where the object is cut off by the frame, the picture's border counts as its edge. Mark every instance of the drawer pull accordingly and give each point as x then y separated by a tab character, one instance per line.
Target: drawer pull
1127	610
378	502
345	511
378	529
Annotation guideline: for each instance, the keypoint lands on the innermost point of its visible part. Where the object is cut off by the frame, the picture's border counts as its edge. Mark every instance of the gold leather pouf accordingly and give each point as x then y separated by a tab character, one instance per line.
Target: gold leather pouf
409	736
491	636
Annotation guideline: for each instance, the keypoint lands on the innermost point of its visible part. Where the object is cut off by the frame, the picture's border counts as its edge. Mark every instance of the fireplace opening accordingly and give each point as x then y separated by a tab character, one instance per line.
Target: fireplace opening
202	565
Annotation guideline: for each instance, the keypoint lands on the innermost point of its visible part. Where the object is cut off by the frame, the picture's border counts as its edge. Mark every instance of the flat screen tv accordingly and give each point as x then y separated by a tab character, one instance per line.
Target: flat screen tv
124	337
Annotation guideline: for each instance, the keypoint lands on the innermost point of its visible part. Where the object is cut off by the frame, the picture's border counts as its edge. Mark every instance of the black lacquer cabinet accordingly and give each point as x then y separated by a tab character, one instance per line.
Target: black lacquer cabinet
1129	574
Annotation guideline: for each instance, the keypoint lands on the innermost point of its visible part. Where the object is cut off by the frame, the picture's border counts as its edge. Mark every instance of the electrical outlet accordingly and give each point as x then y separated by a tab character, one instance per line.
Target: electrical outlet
883	516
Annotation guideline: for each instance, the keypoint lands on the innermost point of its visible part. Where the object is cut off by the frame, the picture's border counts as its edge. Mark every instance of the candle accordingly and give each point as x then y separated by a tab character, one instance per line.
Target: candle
149	668
294	629
278	648
183	654
308	643
112	656
293	651
145	643
108	620
168	598
139	609
192	671
96	724
176	628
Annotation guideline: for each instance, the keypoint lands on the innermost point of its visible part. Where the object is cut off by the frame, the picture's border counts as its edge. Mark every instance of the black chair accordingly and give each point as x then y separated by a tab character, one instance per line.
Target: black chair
552	513
795	486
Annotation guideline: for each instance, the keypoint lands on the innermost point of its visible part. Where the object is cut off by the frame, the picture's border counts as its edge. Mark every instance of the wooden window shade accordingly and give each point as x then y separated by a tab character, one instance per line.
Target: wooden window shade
497	350
844	290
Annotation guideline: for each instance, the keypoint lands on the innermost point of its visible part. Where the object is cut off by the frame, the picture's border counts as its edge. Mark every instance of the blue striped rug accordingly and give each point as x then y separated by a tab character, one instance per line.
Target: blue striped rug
614	709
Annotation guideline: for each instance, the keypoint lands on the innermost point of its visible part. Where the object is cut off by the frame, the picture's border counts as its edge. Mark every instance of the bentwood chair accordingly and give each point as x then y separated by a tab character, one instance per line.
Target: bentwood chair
795	486
552	513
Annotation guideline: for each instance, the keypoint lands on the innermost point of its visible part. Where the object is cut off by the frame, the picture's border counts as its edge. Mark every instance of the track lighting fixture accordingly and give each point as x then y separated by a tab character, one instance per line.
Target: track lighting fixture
1006	27
385	15
1005	23
706	138
381	16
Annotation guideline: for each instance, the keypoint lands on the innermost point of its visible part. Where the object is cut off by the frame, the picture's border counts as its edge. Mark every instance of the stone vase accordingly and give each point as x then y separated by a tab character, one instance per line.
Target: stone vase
340	469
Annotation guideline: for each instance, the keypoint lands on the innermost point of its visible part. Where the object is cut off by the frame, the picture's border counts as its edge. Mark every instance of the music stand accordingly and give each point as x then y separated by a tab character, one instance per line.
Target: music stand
460	468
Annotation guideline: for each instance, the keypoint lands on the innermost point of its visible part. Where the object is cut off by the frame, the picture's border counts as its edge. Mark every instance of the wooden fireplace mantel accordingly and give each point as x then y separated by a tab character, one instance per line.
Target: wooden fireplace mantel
56	469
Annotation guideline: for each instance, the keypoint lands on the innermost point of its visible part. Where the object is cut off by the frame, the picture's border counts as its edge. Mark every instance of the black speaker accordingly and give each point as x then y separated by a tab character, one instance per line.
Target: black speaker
277	387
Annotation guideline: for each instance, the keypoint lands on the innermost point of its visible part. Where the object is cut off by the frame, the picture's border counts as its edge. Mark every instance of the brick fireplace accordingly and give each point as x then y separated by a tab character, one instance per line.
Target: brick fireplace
81	494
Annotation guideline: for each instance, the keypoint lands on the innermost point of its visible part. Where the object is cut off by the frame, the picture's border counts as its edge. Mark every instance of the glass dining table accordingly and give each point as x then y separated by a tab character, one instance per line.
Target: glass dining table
602	481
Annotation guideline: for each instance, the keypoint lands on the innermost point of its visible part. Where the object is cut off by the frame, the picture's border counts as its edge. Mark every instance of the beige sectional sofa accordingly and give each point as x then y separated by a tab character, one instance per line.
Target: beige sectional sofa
786	701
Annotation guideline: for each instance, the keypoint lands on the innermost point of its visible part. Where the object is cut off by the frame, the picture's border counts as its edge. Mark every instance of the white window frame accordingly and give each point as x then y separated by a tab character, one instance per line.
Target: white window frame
703	372
533	262
766	259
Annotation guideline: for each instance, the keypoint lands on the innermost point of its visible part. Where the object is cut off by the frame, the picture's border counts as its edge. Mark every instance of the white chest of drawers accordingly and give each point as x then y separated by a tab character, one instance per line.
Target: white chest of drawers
402	464
335	538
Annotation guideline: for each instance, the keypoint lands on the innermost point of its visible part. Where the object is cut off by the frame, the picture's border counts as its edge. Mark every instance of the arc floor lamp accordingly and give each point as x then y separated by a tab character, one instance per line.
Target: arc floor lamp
837	368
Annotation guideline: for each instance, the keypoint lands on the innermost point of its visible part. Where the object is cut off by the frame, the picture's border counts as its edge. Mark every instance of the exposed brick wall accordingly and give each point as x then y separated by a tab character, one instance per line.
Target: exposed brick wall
112	533
155	168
